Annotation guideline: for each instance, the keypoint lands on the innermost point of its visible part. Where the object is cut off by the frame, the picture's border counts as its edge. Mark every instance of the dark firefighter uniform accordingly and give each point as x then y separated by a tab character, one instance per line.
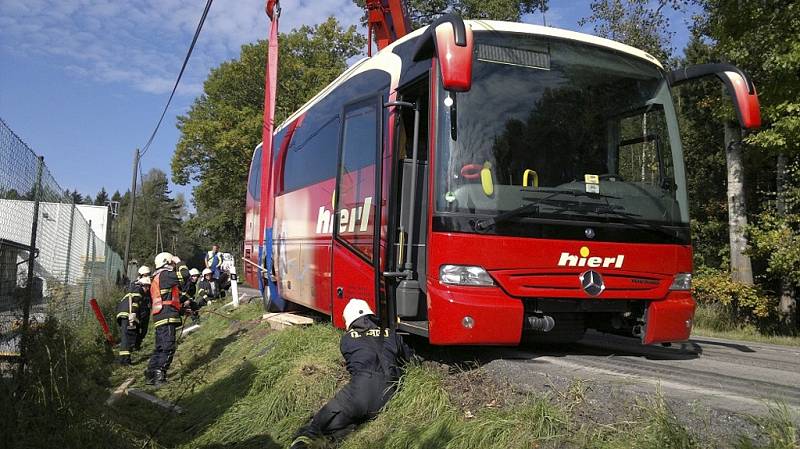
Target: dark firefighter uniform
143	316
165	291
128	321
374	357
190	295
207	291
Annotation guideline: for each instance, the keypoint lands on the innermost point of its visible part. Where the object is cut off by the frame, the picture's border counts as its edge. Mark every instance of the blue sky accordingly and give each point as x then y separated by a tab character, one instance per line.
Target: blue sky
84	81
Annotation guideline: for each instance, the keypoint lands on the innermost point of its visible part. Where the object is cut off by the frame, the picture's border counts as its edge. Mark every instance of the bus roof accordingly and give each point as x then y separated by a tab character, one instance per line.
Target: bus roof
390	62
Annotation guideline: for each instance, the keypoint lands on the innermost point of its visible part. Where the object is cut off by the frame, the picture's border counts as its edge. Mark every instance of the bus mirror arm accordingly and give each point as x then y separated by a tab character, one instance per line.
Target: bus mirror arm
739	86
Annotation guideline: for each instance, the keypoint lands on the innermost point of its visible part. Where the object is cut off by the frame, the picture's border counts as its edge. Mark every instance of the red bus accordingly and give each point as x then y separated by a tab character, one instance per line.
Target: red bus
530	185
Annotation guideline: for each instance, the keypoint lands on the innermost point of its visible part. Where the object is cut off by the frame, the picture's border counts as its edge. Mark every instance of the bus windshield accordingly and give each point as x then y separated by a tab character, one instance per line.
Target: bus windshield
559	130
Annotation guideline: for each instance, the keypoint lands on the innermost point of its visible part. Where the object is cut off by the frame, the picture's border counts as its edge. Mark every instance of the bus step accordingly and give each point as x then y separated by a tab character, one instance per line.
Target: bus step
414	327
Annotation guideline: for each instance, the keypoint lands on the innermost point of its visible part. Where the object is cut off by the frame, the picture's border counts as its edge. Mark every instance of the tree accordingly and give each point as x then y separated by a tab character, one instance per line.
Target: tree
101	198
223	126
423	12
638	23
762	38
76	197
157	214
702	138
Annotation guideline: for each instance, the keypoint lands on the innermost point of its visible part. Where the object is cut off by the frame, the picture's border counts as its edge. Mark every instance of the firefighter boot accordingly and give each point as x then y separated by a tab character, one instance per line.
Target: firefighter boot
149	377
302	442
159	377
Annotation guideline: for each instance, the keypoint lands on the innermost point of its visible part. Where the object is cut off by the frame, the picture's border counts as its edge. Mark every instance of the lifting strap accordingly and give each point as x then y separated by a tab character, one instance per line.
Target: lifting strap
270	89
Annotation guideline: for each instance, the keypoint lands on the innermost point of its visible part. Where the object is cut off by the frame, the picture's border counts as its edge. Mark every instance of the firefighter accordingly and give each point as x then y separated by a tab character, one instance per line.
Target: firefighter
374	356
191	295
182	272
208	290
214	261
165	291
144	307
128	318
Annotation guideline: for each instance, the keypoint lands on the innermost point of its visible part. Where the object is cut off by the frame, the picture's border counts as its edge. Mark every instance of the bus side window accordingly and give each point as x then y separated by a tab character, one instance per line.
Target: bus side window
254	185
356	190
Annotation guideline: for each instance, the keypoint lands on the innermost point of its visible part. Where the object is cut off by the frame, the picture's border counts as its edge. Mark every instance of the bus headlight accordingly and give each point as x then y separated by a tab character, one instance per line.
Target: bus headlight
464	275
681	281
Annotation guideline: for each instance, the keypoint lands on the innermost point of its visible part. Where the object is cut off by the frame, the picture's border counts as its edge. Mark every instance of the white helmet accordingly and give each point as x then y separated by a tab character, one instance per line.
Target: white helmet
194	272
355	309
163	259
144	270
144	280
207	271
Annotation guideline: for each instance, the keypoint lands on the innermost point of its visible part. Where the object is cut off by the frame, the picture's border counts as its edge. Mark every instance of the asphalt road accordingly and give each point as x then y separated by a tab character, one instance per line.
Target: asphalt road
727	375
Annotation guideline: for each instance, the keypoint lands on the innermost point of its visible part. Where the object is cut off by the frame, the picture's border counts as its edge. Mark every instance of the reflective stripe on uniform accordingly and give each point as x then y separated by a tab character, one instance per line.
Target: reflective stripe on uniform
175	320
179	273
122	315
124	352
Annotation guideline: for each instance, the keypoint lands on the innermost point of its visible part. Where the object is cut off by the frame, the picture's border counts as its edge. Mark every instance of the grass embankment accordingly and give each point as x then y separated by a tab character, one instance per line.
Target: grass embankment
711	321
59	402
243	386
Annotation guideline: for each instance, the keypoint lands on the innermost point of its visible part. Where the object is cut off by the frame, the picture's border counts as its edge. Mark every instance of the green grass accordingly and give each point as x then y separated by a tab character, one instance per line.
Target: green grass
243	386
711	322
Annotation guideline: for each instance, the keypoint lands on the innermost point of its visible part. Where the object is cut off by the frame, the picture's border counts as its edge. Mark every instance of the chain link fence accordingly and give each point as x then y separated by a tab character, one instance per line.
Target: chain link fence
53	252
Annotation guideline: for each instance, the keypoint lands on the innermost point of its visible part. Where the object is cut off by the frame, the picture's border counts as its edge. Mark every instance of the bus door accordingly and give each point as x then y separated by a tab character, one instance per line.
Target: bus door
407	255
356	238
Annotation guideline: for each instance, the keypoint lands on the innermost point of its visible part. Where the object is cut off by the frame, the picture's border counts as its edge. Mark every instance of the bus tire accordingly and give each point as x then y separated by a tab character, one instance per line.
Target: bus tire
269	307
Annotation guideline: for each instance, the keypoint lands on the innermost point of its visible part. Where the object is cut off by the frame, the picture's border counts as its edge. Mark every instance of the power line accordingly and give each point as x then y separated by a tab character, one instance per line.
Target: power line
180	74
140	154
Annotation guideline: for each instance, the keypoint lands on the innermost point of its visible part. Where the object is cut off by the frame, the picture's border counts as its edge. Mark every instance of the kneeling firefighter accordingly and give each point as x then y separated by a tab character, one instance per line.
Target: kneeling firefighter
208	288
165	292
374	356
128	316
190	296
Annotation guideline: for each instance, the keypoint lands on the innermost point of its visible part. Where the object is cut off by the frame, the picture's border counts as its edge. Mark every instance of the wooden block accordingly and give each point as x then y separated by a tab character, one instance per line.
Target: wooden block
121	390
280	321
155	400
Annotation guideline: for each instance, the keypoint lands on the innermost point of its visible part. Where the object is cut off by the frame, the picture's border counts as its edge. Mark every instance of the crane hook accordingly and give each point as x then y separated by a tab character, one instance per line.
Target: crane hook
273	9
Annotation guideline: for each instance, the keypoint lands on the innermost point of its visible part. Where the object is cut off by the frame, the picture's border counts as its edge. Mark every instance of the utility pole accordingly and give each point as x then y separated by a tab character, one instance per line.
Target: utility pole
130	215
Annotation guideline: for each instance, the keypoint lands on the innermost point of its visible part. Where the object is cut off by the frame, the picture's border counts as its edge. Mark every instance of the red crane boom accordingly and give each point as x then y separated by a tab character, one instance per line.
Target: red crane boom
388	20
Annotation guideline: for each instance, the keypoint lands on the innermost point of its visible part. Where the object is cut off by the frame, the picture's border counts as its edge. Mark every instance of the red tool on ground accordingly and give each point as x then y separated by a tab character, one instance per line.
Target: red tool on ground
102	319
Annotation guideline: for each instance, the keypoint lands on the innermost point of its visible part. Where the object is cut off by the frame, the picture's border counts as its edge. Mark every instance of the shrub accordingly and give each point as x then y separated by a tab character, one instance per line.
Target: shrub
776	240
59	400
744	303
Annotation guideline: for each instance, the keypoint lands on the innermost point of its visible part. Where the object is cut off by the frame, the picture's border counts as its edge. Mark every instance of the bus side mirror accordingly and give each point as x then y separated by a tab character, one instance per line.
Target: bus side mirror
739	85
453	43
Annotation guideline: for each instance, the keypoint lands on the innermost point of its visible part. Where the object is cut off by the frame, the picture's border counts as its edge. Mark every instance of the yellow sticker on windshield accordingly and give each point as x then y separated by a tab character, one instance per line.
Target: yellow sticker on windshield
591	179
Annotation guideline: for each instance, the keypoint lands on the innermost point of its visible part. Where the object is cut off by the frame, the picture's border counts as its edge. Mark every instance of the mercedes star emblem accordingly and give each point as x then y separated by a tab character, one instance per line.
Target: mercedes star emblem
592	282
589	233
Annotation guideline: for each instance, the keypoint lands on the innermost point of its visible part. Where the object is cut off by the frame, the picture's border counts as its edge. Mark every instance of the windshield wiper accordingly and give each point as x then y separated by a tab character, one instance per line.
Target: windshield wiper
574	206
484	224
571	192
628	218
